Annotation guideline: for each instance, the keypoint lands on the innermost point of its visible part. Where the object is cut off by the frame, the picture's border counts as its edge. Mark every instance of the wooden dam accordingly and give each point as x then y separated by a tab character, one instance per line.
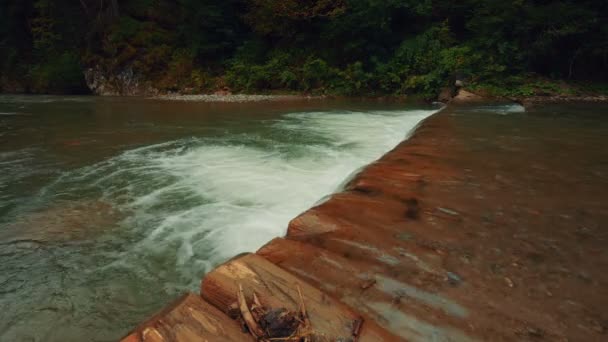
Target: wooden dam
451	236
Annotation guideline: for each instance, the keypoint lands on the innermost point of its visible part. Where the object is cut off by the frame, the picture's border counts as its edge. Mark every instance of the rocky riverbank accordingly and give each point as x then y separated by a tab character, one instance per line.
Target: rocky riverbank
536	100
466	96
232	98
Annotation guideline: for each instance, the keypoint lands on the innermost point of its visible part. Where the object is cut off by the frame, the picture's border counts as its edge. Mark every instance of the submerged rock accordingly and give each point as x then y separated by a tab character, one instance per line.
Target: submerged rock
64	221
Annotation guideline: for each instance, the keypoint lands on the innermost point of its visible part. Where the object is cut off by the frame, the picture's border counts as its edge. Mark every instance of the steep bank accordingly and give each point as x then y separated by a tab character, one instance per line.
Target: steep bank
461	232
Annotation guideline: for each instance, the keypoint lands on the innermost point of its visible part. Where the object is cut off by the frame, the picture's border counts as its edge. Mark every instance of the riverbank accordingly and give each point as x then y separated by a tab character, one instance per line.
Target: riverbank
461	232
233	98
447	95
472	96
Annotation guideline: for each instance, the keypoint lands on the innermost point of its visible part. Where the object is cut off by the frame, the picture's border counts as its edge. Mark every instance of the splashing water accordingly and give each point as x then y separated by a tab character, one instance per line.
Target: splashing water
156	218
206	200
501	109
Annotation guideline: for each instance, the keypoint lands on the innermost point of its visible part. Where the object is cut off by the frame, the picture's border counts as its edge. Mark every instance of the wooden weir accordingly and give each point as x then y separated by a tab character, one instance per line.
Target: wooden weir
401	254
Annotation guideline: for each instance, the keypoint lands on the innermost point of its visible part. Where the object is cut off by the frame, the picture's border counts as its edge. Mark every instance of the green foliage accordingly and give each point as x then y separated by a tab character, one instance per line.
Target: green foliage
59	74
244	74
353	80
351	47
124	29
525	85
316	73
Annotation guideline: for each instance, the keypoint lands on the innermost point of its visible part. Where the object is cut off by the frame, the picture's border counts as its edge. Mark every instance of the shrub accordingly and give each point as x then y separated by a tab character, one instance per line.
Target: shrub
59	74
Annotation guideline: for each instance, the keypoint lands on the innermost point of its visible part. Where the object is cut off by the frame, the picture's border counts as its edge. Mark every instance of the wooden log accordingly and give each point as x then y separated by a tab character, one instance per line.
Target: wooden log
331	273
189	318
370	229
375	292
346	209
330	319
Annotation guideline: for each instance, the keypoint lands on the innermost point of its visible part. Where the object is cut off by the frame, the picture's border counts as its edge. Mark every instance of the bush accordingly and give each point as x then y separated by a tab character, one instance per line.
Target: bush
353	80
60	74
316	74
276	73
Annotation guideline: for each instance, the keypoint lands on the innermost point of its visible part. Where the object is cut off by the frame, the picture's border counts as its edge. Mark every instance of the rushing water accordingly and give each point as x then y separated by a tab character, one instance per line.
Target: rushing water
109	208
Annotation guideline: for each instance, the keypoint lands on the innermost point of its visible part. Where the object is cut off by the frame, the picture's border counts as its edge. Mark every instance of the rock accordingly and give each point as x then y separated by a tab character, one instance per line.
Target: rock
466	96
62	221
123	83
225	91
446	94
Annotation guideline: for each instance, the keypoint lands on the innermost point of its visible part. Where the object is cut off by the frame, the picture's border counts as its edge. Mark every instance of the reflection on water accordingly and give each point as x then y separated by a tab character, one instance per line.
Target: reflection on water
111	207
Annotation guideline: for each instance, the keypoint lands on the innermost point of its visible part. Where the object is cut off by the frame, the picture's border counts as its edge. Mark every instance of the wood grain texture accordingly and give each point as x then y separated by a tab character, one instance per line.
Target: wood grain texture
276	288
189	318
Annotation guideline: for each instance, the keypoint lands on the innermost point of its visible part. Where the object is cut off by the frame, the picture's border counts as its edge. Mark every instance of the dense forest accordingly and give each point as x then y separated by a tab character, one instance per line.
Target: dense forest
349	47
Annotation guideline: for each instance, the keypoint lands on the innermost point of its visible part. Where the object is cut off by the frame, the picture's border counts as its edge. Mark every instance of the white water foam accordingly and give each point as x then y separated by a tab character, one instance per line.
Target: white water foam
501	109
196	202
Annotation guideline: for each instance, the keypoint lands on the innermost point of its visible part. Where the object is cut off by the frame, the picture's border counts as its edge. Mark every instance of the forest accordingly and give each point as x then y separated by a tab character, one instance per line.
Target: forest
342	47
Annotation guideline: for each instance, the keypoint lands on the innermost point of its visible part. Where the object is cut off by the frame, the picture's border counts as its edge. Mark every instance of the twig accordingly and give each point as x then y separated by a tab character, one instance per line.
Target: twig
254	328
302	306
357	328
304	314
256	301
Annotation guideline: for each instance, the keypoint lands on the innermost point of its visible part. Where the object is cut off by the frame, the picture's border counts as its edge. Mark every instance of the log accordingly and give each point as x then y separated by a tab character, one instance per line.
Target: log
189	318
375	292
334	275
330	319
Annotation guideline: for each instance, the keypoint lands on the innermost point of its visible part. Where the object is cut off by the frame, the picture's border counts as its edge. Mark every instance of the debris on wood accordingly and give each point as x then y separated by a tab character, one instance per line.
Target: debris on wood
357	328
413	208
274	324
233	311
253	326
448	211
444	213
368	283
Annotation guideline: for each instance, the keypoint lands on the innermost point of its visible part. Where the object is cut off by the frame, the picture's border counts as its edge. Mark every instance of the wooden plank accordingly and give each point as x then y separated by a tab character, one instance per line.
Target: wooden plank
330	319
371	229
332	274
189	318
384	298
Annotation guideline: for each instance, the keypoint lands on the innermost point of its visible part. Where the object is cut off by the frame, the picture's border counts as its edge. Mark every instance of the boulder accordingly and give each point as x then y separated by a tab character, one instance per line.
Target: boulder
446	94
465	96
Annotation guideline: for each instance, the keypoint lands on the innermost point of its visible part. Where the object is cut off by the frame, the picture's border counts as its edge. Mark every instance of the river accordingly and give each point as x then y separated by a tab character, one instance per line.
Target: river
111	207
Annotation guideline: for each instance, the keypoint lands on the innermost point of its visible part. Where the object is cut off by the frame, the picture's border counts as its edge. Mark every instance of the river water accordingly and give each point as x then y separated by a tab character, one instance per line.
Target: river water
112	207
